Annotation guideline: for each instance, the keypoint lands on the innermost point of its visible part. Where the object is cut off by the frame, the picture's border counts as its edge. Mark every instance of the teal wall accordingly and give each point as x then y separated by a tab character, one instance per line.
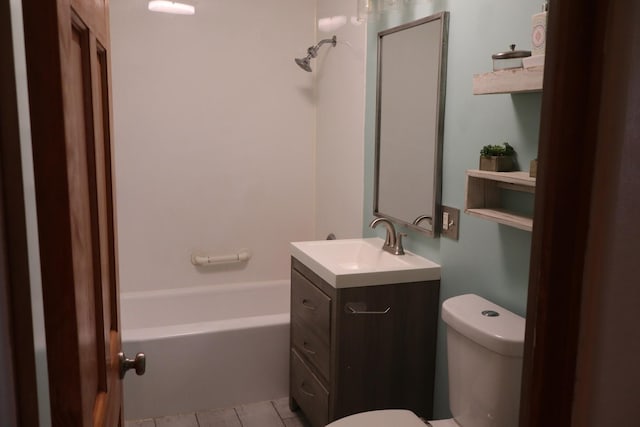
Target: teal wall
489	259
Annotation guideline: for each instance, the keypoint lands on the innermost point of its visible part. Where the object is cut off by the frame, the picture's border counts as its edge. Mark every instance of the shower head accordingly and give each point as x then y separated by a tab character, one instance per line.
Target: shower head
312	52
304	63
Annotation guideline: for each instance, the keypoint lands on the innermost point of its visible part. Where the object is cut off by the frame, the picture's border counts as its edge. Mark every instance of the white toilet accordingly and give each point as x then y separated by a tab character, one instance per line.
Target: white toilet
484	345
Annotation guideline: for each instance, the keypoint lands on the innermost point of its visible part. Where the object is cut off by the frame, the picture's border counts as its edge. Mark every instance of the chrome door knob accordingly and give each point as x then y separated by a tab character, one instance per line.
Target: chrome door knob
139	363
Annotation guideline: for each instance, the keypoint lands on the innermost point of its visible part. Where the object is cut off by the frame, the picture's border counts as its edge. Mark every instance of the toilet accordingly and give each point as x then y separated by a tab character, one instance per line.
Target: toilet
485	345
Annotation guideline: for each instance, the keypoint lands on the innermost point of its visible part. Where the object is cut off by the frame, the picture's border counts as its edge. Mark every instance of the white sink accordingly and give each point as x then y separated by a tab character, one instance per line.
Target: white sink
362	262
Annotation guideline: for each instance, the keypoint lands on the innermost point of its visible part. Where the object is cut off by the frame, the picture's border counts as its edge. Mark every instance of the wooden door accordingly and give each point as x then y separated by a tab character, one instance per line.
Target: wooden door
67	45
582	342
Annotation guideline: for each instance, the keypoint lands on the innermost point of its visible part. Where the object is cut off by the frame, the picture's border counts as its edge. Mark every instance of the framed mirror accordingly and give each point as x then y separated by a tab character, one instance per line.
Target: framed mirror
410	123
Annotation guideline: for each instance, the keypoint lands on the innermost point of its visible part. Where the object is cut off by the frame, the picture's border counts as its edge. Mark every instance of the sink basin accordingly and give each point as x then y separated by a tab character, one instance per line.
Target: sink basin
362	262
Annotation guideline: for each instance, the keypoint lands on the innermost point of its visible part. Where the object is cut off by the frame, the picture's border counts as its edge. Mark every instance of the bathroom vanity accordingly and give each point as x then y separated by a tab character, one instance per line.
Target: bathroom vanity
358	346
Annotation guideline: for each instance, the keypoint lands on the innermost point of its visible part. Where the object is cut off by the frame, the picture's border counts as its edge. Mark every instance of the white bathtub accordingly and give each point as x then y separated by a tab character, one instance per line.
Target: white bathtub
207	347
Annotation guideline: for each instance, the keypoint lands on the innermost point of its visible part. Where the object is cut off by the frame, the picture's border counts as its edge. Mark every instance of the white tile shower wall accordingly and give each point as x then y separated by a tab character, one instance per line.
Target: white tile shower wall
214	139
340	74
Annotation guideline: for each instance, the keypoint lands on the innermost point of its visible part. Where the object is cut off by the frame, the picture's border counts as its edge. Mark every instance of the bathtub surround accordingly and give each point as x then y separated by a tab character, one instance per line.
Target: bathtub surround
476	30
227	145
214	135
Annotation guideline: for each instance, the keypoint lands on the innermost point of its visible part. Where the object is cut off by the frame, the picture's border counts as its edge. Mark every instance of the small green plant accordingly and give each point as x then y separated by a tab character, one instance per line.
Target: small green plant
497	150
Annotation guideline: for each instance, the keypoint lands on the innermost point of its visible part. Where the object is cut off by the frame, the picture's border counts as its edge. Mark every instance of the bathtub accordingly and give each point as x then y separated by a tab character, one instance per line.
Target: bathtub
206	347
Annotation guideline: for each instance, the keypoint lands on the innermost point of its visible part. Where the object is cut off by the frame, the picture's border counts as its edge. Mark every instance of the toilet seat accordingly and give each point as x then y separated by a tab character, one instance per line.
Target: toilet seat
387	418
381	418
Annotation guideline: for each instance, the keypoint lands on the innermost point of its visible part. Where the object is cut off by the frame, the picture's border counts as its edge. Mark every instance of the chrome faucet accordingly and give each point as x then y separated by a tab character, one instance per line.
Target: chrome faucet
393	241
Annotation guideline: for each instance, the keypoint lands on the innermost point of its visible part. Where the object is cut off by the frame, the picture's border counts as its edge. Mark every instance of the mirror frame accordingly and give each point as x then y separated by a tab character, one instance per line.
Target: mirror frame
436	222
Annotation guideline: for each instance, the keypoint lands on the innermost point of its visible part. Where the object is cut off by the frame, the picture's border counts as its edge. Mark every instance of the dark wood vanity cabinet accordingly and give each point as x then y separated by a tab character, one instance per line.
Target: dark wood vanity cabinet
349	354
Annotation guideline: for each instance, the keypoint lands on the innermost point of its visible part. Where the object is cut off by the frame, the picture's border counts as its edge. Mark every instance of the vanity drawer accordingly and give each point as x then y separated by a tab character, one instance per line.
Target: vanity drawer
311	306
311	347
308	392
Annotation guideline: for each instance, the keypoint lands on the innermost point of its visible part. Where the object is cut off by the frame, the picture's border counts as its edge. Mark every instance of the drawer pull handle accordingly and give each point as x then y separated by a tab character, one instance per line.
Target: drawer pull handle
308	305
308	393
307	348
352	310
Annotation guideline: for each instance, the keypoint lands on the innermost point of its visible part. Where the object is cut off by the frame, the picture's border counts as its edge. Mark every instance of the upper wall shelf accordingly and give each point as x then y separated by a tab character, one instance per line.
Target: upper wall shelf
518	80
482	196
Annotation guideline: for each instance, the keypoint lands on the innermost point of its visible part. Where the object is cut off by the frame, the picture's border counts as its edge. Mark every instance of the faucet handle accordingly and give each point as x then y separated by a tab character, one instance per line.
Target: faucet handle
399	249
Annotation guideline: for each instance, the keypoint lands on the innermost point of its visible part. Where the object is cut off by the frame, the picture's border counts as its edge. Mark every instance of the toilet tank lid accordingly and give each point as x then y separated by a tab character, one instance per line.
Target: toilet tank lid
497	329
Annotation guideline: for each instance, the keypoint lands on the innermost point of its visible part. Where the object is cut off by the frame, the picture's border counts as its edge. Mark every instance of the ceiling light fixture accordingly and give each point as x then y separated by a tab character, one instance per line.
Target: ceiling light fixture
171	7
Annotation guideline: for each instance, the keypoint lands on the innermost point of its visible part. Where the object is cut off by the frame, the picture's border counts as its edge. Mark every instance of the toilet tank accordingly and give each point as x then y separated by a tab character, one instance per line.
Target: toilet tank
484	344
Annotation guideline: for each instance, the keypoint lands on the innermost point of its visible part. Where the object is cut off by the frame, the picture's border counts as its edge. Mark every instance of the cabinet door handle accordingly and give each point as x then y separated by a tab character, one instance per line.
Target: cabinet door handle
351	310
308	305
307	348
308	393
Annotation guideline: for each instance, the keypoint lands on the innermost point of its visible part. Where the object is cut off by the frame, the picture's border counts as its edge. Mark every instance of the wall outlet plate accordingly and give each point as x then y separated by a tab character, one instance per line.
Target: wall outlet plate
450	222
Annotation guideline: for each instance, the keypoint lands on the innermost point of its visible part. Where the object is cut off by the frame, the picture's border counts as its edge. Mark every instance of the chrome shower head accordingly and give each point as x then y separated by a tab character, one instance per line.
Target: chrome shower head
304	63
312	52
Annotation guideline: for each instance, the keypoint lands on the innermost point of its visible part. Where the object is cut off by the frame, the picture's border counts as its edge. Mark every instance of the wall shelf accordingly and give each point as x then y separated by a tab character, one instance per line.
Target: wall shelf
482	196
519	80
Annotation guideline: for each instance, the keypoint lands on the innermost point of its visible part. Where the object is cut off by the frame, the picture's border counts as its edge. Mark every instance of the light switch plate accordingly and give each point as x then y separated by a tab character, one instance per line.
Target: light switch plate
450	229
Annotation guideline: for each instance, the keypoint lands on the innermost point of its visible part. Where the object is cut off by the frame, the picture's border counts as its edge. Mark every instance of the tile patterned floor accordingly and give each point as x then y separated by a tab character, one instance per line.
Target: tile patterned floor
274	413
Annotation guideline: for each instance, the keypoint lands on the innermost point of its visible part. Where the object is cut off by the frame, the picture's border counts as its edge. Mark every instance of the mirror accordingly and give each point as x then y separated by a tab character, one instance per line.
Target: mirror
410	122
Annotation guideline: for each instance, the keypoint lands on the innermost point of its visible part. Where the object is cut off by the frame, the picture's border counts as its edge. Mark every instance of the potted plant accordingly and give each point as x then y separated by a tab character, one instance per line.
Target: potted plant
497	158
